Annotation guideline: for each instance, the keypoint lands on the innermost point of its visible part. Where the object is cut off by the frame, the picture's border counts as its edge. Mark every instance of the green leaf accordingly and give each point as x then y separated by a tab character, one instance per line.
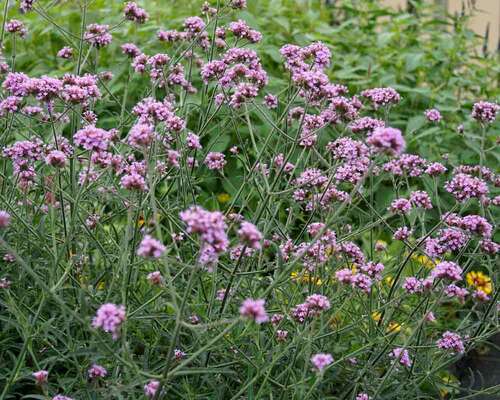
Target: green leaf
415	123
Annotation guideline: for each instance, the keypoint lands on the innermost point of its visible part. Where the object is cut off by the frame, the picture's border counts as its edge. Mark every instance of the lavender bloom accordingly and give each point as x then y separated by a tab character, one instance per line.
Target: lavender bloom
151	388
412	285
41	376
451	341
485	112
464	186
381	97
321	360
134	13
402	356
387	140
250	235
4	219
97	371
400	206
97	35
433	115
254	309
447	270
109	318
402	233
150	248
215	161
66	53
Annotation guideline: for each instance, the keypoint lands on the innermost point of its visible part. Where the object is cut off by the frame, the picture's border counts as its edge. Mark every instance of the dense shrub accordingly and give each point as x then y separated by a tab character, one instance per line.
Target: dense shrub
284	201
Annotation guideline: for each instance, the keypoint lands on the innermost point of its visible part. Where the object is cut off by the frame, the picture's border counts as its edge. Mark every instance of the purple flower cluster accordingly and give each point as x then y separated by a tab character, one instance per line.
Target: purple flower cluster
239	72
250	235
464	187
150	248
255	310
402	356
387	140
321	360
215	161
66	52
400	206
314	305
212	230
447	270
109	318
134	13
16	27
485	112
97	371
97	35
420	199
451	341
366	125
382	97
241	30
433	115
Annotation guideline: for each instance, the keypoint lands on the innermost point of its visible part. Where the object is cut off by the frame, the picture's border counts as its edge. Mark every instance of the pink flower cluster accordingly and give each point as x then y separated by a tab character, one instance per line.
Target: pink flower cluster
134	13
433	115
250	235
321	360
239	73
150	248
485	112
212	230
447	270
382	97
109	318
314	305
402	356
451	341
255	310
97	35
387	140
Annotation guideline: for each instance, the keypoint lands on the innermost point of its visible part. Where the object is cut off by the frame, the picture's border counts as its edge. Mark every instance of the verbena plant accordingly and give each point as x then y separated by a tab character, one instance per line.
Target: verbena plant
193	226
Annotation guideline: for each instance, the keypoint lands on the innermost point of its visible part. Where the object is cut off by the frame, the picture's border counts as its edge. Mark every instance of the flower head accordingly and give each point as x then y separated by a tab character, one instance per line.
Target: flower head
150	248
480	281
109	318
41	376
402	356
254	309
4	219
321	360
151	388
451	341
97	371
388	140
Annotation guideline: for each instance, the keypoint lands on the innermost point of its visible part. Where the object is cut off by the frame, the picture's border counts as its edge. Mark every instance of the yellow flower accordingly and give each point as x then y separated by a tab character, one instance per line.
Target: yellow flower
393	327
376	315
140	221
305	278
223	198
101	285
389	280
425	261
480	281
